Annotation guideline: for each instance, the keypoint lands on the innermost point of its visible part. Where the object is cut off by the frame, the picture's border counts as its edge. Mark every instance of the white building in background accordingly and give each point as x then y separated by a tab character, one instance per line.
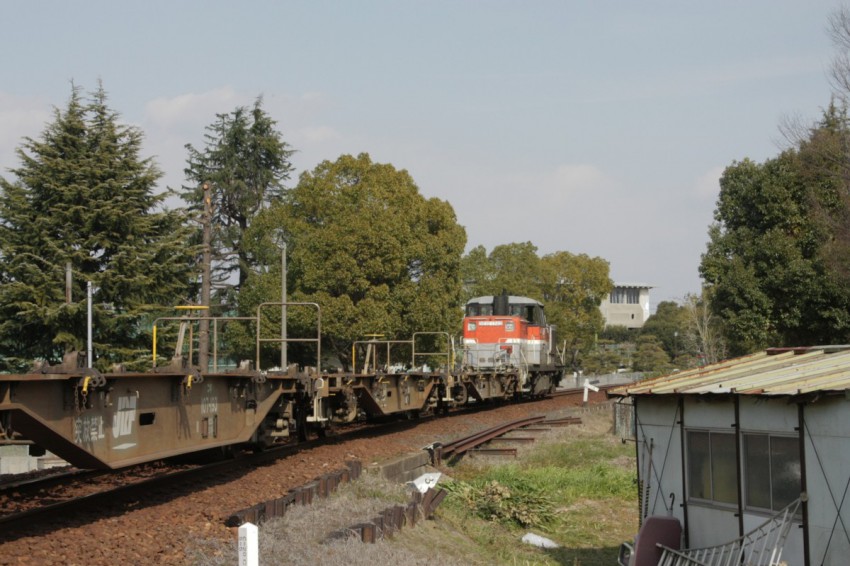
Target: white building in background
627	305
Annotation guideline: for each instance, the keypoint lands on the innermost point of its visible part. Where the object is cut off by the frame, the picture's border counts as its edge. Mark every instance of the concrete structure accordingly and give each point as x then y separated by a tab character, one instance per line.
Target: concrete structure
16	459
627	305
723	447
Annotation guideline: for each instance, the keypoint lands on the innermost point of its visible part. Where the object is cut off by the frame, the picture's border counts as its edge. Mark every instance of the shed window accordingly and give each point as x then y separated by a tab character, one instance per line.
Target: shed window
711	466
772	468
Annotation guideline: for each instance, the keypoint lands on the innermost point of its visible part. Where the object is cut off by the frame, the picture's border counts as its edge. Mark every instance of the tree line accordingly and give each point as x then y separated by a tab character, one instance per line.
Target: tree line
776	269
83	206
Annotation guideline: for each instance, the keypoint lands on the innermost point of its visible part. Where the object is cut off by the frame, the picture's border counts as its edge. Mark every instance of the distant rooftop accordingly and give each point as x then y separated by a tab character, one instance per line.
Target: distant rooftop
633	284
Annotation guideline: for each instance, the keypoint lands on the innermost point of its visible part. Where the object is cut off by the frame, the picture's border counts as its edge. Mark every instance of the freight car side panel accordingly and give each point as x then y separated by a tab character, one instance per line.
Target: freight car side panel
138	417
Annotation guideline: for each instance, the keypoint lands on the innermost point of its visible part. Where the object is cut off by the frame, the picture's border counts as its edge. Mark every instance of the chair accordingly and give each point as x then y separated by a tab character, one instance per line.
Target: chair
656	530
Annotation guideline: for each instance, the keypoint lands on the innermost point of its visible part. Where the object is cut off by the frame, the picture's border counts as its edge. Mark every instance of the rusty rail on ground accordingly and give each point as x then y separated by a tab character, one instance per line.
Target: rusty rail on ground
461	445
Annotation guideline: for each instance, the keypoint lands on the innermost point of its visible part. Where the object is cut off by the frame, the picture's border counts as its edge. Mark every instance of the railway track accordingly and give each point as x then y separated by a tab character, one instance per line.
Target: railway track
87	491
27	496
161	517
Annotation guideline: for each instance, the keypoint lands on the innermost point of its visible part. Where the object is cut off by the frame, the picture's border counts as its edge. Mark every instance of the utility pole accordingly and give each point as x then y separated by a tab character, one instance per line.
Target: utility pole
206	282
283	361
69	282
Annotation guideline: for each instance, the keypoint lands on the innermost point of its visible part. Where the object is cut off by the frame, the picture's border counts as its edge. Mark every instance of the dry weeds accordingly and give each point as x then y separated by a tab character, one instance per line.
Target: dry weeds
301	536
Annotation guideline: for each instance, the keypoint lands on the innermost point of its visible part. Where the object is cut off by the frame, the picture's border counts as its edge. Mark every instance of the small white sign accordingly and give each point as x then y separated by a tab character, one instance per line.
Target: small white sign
249	551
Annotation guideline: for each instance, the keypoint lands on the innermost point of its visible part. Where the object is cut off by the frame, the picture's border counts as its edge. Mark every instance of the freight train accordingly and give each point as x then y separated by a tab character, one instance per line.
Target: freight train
119	418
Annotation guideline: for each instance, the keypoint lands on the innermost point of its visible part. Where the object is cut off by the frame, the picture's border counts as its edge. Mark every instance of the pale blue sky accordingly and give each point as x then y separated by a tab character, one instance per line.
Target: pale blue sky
594	127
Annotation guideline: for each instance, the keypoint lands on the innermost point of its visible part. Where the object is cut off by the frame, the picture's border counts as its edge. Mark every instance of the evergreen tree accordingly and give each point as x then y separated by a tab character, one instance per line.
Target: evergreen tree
82	196
650	355
246	161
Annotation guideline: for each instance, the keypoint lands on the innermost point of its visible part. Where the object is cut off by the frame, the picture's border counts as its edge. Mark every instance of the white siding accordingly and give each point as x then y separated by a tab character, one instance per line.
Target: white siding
828	477
657	417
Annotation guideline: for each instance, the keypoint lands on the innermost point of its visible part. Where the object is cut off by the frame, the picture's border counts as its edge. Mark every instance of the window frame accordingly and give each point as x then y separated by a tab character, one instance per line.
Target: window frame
742	467
690	482
771	468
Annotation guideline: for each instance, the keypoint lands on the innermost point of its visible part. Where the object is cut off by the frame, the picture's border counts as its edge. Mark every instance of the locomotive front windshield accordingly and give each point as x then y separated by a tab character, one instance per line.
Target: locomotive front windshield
532	312
478	309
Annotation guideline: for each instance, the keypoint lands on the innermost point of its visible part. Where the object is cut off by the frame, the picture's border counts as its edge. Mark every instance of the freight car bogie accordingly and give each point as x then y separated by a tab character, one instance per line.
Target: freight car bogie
380	394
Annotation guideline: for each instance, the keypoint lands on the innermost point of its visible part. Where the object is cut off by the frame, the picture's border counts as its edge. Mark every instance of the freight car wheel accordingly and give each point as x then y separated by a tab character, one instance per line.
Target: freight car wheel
302	409
460	394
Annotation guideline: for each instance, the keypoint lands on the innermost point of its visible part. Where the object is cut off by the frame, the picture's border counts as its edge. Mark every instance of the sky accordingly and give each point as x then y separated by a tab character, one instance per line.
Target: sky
597	128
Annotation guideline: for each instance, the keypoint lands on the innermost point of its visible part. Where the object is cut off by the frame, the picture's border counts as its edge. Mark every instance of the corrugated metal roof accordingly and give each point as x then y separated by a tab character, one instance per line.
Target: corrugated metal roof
773	372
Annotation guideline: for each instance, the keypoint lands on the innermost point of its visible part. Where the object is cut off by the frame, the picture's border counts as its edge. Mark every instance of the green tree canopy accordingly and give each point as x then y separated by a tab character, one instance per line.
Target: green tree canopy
364	244
650	356
573	287
83	196
668	324
767	267
514	268
246	161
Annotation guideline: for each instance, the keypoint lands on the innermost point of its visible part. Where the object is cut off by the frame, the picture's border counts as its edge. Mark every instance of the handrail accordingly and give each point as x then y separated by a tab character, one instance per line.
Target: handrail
317	339
761	546
186	319
411	342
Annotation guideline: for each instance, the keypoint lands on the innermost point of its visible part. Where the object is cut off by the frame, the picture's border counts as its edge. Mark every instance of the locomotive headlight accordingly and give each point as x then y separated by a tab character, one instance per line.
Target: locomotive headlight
471	327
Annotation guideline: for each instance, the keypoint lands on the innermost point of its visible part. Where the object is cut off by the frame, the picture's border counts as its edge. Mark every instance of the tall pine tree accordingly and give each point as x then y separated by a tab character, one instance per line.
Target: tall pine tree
82	196
245	160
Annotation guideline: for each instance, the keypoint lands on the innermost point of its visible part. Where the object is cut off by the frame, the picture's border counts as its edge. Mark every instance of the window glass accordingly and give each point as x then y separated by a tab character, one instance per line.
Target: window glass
699	465
757	470
624	295
711	466
772	467
724	479
784	470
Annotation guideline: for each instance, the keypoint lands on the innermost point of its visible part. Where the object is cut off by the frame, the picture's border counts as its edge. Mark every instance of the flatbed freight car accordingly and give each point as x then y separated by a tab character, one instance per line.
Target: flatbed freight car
120	418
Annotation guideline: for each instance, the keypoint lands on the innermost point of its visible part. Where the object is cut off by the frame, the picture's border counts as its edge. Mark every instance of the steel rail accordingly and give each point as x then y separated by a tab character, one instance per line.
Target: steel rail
461	445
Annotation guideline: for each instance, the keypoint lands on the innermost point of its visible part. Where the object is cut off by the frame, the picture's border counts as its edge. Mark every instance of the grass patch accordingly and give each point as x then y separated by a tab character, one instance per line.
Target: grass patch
574	485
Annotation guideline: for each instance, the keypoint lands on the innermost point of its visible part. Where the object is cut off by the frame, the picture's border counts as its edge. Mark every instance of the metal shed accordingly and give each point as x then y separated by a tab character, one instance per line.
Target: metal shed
725	446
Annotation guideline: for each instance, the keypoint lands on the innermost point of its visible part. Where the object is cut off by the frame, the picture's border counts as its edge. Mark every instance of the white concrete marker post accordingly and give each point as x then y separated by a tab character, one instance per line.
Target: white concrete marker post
249	552
587	385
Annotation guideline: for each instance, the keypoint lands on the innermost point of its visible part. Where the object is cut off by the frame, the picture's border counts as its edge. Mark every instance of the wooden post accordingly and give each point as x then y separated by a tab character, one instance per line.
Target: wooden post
206	282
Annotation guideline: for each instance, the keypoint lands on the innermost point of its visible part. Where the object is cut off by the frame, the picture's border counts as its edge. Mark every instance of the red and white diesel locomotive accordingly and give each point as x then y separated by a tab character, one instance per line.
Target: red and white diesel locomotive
507	336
